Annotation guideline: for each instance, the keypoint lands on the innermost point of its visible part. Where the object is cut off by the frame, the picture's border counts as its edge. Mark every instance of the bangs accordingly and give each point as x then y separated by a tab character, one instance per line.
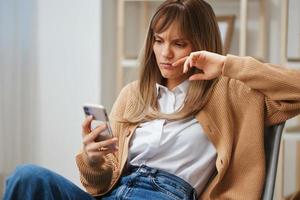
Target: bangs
166	16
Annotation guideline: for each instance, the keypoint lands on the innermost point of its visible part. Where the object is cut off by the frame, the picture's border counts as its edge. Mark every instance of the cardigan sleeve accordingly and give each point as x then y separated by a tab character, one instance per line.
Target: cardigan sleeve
98	179
280	86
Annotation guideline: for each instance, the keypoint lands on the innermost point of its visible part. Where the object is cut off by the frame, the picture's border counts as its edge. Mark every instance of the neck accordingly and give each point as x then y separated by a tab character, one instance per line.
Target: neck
172	84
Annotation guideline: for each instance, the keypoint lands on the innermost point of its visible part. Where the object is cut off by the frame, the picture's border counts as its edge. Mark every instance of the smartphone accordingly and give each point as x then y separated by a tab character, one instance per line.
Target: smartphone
100	116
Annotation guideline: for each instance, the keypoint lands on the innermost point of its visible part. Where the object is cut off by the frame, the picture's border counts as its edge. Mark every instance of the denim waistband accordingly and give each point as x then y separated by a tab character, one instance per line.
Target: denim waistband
146	171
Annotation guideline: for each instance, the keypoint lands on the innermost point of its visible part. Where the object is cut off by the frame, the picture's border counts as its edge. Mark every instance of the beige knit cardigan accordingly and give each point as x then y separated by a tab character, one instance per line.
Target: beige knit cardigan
248	96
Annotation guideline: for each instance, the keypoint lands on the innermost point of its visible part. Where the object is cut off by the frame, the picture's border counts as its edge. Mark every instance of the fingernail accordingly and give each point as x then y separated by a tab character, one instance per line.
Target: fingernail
90	116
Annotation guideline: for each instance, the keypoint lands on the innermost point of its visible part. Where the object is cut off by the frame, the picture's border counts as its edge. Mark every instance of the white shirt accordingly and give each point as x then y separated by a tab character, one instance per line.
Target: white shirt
178	147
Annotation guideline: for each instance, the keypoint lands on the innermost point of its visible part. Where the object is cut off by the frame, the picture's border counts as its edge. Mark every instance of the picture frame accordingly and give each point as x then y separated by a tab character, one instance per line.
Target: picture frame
226	26
293	31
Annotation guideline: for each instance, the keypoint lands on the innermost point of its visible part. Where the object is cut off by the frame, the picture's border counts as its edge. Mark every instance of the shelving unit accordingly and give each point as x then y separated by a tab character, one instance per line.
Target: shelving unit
125	63
281	182
287	136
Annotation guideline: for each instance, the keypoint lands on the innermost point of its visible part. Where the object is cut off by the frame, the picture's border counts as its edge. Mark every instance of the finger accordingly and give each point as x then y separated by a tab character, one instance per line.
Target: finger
186	65
180	61
86	125
192	60
99	151
109	151
198	77
107	143
94	156
94	134
197	59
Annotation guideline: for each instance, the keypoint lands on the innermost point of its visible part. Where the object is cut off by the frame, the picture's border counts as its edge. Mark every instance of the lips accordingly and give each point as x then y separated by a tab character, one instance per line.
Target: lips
166	65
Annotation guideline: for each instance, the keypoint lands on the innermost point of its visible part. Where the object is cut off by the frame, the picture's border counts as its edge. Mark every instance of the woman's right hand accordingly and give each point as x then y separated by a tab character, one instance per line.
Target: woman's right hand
94	151
211	64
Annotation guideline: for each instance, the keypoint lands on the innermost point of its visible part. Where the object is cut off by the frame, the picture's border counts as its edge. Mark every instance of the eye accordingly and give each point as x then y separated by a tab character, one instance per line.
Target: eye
180	44
157	40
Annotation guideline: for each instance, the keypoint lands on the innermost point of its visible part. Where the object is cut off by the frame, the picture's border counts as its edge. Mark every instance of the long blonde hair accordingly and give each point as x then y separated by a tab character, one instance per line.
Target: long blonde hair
198	24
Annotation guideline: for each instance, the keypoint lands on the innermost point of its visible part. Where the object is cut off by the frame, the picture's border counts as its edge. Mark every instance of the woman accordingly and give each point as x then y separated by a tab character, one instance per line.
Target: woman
191	127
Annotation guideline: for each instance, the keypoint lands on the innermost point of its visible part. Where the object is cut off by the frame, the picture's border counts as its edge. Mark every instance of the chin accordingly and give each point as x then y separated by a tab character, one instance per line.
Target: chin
167	76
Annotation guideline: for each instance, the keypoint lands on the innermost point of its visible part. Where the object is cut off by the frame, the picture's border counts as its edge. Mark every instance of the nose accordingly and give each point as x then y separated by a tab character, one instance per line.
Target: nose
167	51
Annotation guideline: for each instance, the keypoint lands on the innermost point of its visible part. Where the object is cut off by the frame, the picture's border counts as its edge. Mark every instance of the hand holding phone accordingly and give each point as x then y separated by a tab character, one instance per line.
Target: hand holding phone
98	141
100	116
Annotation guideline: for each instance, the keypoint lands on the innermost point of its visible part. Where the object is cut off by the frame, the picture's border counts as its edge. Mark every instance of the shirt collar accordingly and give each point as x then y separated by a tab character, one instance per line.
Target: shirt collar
182	87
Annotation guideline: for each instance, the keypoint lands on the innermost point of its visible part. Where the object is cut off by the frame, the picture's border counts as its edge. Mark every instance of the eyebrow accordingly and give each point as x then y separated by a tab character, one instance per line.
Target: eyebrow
177	39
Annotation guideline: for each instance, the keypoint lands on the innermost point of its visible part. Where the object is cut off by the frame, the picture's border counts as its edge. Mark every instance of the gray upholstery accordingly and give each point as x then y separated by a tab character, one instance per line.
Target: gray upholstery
272	147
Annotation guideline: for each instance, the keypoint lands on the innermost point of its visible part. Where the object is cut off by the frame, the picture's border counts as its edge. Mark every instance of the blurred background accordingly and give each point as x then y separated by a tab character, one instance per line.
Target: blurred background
57	55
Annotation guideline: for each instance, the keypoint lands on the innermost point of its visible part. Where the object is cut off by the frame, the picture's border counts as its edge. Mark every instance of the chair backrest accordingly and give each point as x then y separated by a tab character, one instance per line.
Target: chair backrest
272	147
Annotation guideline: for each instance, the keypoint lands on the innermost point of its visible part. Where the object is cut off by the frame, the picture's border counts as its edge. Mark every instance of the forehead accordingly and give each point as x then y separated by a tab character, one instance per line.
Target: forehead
174	30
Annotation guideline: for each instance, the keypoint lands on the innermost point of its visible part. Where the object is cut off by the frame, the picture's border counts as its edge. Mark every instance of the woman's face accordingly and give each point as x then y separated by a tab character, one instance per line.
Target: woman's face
168	47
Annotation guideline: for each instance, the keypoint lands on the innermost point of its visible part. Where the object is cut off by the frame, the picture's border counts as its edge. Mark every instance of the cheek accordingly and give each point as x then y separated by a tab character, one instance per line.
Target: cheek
156	51
180	53
187	52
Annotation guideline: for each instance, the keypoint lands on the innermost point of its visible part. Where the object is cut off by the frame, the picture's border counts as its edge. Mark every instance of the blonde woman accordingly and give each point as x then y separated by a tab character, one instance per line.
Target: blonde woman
191	127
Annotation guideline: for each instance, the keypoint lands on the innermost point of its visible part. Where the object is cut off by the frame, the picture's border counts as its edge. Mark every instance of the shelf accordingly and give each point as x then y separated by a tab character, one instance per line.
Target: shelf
292	136
129	63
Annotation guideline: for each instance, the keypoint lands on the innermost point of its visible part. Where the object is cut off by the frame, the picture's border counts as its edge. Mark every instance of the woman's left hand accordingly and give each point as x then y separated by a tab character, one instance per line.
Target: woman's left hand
211	64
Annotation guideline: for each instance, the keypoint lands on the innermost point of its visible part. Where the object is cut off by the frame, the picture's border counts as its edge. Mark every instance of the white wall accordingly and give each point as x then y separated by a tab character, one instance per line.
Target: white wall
50	65
15	20
69	75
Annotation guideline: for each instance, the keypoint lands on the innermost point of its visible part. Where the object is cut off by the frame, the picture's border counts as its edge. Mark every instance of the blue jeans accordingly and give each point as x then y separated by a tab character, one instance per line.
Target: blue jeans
148	183
30	182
